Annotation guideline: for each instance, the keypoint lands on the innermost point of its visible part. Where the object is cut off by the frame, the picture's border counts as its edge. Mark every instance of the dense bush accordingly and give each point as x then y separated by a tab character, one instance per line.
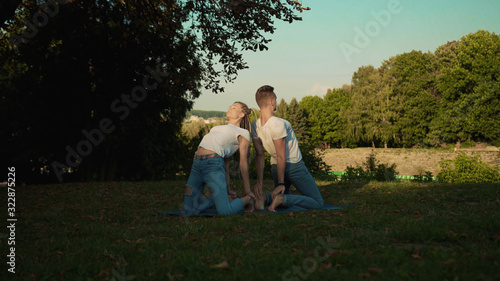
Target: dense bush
372	171
468	169
354	174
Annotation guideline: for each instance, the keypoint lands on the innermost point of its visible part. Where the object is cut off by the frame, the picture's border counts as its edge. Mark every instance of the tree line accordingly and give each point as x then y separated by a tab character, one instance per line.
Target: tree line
415	99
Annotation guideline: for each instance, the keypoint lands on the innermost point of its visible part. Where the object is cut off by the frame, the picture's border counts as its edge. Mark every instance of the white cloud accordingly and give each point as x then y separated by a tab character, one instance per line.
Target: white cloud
318	90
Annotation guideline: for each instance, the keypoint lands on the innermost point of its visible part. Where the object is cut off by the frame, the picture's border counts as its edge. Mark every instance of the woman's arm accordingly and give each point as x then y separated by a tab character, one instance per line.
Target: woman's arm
230	193
244	148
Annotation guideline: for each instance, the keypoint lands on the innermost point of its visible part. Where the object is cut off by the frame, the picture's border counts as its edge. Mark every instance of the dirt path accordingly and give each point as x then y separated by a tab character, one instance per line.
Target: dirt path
408	161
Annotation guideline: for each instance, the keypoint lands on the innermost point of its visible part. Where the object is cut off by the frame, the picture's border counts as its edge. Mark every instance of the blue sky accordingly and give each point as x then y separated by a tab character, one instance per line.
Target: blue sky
336	37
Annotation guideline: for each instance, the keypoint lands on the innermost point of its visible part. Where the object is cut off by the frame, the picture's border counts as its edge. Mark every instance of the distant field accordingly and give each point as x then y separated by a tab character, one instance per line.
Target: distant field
207	113
408	161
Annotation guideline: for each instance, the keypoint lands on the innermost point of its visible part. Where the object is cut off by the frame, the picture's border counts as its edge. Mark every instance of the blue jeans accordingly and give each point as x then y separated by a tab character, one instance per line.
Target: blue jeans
296	174
211	172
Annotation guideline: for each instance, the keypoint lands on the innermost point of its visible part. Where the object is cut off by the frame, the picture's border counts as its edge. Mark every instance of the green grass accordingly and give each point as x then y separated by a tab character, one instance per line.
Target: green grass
394	231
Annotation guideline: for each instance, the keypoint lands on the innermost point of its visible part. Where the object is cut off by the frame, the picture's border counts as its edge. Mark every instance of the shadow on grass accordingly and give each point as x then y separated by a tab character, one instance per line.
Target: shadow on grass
101	231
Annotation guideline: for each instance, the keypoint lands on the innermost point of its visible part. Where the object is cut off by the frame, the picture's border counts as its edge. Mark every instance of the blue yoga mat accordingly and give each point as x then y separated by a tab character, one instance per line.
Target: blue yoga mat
213	212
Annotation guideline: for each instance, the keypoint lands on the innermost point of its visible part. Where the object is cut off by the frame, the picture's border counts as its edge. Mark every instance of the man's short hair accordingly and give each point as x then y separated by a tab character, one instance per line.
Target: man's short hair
263	94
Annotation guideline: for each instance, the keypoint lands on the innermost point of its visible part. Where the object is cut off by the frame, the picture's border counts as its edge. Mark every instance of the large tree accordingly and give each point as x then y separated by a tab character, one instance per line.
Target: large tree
312	106
282	109
100	88
323	115
470	88
370	117
295	115
410	77
299	121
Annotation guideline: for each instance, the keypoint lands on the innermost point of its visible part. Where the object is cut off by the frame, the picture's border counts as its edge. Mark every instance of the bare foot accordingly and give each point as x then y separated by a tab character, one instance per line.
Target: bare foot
278	200
249	208
259	203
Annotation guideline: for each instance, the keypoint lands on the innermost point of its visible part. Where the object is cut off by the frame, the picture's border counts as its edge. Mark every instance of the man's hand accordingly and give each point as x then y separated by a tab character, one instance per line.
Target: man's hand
257	190
280	189
260	198
250	194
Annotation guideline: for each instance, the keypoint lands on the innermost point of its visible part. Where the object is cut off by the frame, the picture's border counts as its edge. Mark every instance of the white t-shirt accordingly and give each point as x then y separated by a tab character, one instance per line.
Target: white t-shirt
277	128
223	139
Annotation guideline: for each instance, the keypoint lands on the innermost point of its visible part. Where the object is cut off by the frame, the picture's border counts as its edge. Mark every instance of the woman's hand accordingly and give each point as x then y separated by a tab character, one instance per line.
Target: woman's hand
280	189
231	194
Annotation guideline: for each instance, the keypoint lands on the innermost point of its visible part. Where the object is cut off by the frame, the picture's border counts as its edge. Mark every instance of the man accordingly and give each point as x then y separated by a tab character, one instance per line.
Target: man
277	137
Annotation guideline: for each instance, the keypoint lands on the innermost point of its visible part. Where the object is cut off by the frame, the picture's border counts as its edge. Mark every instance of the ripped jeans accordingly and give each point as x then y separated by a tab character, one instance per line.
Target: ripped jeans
209	171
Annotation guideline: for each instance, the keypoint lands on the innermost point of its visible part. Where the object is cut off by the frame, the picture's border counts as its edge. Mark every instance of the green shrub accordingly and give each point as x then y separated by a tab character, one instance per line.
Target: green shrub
468	144
384	172
372	171
468	169
423	177
379	172
496	143
352	174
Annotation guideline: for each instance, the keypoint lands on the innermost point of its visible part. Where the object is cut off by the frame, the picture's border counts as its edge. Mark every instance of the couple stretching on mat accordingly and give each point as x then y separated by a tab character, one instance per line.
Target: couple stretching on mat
276	136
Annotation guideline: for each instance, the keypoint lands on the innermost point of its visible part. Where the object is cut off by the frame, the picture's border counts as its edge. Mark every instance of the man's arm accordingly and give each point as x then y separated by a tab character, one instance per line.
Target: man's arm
260	161
280	146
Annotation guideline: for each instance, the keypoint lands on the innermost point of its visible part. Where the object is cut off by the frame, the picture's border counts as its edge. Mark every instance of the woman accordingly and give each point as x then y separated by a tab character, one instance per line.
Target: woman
211	162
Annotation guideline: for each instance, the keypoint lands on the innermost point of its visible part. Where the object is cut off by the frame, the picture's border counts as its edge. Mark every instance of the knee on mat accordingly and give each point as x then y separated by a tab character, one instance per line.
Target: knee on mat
319	204
190	209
